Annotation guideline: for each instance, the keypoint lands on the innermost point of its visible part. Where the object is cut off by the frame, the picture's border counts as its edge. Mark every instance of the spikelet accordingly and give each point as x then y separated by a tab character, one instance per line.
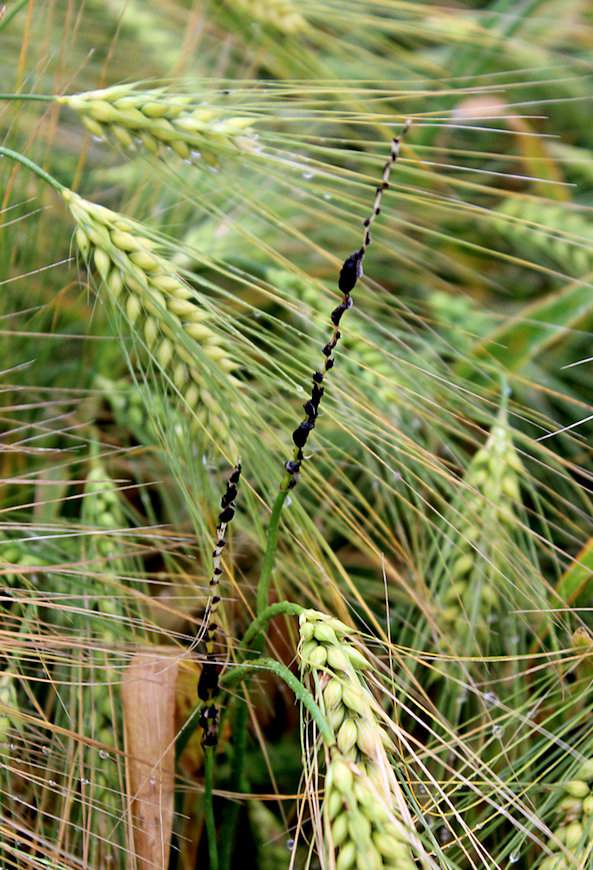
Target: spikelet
549	233
155	301
14	554
487	516
366	820
8	704
574	827
283	15
157	120
137	413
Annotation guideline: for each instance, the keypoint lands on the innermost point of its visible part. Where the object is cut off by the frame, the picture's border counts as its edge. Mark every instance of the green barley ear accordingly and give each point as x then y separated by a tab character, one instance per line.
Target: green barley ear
136	408
269	836
102	513
366	820
14	555
157	120
571	842
282	15
548	232
157	304
475	592
8	704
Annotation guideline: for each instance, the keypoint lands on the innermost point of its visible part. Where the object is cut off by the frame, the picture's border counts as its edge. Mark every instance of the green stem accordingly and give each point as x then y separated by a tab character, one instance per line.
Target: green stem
288	608
239	673
36	98
265	579
20	158
11	14
231	815
209	807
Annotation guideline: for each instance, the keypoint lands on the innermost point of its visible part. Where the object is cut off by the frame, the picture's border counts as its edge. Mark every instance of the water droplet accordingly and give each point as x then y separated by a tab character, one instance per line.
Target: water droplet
290	844
288	501
308	175
45	750
103	753
98	139
299	389
497	731
12	747
491	698
152	781
196	155
514	857
327	196
84	781
52	783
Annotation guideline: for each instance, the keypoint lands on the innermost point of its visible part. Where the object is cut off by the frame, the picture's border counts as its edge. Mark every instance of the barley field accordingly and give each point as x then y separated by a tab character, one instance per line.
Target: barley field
296	490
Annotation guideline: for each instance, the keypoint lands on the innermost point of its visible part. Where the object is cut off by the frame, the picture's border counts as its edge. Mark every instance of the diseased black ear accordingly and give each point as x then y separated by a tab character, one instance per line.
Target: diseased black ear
350	272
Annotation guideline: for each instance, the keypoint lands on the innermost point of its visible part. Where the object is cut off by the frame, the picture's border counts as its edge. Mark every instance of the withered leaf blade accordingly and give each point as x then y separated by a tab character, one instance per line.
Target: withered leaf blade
148	692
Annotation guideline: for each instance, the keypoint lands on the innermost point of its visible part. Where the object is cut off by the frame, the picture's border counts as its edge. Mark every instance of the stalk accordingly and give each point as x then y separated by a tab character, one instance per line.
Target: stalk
34	167
36	98
242	672
209	807
231	815
287	608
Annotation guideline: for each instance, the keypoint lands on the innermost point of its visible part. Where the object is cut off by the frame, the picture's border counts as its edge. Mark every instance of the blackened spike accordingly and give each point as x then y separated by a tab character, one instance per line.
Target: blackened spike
301	433
350	272
229	496
226	515
208	681
337	313
236	474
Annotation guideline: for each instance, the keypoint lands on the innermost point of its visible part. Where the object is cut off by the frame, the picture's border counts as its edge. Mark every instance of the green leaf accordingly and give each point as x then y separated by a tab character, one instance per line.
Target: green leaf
526	335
